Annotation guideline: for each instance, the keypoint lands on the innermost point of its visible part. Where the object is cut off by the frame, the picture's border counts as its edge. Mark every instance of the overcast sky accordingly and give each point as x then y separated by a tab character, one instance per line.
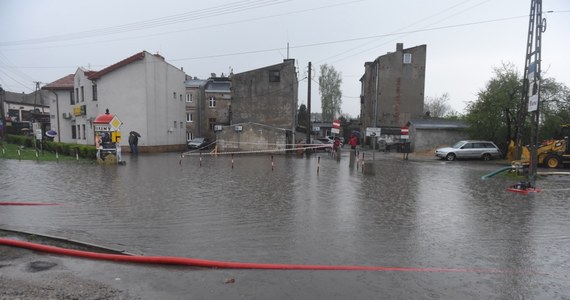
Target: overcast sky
46	40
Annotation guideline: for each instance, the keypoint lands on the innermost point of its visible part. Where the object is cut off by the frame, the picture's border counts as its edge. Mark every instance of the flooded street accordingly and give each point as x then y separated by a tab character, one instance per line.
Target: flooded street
426	214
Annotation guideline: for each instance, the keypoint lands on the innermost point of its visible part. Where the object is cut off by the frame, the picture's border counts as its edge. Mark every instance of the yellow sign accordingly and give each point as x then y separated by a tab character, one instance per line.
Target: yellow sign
77	111
115	123
116	136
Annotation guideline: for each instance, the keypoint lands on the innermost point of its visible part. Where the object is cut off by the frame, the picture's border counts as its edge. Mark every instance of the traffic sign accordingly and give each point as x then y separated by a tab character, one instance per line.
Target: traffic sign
336	124
405	133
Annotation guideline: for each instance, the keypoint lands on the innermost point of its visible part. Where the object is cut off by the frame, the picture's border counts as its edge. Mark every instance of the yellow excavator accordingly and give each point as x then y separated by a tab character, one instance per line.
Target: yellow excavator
552	153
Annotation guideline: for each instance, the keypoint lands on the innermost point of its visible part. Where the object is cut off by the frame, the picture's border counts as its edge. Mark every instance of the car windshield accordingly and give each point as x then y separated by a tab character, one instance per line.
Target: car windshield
197	140
458	145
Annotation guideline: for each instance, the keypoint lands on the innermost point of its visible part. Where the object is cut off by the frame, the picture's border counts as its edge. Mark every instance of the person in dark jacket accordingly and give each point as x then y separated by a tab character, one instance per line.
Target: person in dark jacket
133	142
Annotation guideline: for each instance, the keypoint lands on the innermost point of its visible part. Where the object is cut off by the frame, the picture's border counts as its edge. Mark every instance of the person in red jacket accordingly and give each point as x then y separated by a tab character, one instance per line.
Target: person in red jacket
353	142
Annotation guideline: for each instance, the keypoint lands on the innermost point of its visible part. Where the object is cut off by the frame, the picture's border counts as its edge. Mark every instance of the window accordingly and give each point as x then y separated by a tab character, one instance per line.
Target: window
174	95
188	97
211	123
175	125
73	132
71	97
77	95
189	136
94	92
407	58
274	76
78	132
82	94
188	117
181	124
180	97
83	131
212	102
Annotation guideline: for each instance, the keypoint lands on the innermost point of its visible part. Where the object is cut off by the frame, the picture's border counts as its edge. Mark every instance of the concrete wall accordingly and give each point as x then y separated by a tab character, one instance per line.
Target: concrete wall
253	137
429	139
256	99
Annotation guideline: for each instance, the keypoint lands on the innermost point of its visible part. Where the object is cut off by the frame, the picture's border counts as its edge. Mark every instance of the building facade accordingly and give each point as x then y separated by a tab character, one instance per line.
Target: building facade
22	110
393	88
145	92
63	99
266	96
208	104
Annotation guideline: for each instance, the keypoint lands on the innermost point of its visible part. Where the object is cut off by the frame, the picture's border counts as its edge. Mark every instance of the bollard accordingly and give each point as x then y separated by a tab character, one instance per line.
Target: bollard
181	157
232	160
56	155
76	153
37	156
318	165
368	168
272	164
19	155
200	159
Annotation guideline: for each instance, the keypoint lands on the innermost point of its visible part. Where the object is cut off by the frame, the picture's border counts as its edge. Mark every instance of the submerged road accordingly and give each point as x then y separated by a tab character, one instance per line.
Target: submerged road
417	215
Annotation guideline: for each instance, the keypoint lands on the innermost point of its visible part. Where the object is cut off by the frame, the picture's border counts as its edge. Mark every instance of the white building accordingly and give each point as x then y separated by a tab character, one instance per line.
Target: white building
145	92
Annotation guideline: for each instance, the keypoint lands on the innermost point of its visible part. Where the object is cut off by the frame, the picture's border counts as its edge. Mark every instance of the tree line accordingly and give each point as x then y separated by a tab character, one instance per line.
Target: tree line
494	114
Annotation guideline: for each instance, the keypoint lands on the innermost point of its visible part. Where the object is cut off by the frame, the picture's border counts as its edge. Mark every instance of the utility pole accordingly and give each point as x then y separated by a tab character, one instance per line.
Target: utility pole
36	94
309	106
530	96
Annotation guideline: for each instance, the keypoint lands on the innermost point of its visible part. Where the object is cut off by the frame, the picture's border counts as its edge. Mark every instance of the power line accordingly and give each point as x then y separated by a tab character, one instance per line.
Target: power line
158	22
199	27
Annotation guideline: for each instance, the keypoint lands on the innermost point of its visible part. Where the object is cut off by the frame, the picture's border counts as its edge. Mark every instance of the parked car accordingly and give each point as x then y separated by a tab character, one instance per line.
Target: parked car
318	145
485	150
199	143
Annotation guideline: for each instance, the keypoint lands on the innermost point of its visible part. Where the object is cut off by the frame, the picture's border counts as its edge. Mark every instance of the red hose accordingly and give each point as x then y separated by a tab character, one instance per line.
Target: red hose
171	260
27	203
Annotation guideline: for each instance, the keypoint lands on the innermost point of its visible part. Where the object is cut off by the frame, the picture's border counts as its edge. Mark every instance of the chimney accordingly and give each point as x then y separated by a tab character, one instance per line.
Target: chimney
400	47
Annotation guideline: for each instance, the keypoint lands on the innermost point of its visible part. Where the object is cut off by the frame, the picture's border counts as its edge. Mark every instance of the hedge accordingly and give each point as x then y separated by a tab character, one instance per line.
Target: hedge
84	151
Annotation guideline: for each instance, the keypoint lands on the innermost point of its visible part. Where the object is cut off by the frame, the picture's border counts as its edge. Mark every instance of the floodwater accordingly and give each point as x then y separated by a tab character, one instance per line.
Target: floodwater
424	214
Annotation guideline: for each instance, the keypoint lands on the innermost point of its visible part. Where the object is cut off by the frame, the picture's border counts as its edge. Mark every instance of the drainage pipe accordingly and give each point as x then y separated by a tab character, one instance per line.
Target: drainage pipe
487	176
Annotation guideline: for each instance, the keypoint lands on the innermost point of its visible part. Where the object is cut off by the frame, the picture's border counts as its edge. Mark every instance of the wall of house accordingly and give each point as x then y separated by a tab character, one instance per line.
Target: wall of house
429	139
253	137
165	104
193	127
148	97
58	106
257	99
398	96
221	112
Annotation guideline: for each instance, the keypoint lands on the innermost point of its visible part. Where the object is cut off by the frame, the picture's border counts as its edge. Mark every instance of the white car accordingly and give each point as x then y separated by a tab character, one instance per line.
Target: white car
485	150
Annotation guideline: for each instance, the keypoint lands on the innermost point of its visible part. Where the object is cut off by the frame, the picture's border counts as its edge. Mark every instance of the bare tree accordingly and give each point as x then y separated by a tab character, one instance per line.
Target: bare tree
438	106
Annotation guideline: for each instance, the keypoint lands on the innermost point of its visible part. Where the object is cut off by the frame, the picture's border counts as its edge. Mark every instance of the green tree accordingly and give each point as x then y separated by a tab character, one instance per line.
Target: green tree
331	95
493	115
554	108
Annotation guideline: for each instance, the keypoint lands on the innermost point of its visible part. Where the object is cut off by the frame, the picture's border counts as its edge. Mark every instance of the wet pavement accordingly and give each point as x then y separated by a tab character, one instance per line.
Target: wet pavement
421	213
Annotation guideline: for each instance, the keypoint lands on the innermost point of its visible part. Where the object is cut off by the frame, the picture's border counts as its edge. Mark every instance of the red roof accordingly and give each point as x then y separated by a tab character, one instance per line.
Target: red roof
103	119
65	83
111	68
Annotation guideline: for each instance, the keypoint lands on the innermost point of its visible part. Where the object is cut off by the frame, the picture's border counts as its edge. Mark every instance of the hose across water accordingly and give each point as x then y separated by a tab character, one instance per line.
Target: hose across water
183	261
